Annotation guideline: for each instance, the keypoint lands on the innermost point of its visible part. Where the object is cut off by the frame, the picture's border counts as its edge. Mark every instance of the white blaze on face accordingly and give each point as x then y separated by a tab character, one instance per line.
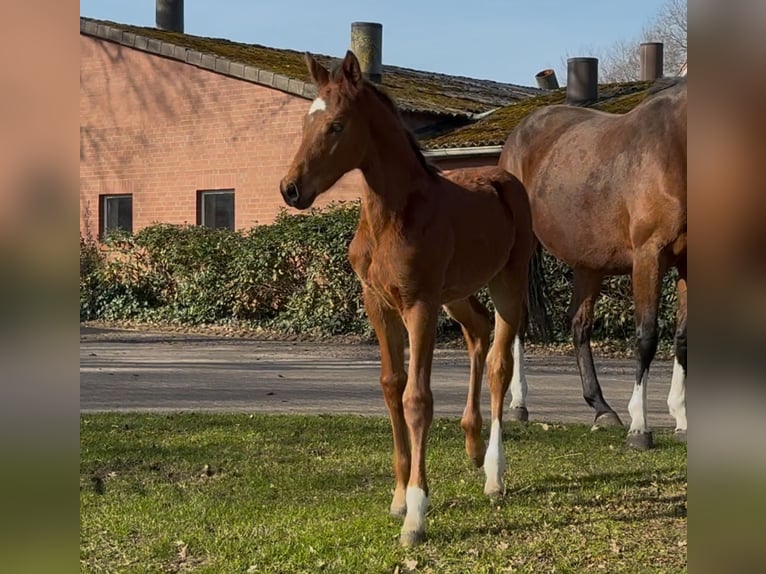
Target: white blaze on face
317	105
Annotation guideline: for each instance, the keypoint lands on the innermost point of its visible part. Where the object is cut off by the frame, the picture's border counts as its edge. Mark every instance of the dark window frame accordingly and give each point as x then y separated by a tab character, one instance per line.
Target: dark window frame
201	218
103	204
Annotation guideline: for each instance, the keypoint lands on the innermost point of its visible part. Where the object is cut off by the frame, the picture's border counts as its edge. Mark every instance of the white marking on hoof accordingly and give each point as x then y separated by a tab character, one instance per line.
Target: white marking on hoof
415	520
494	461
677	396
637	407
317	105
519	380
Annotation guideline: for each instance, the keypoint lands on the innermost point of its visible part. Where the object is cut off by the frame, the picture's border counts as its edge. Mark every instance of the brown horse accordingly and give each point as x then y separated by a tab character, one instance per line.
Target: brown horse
608	197
423	241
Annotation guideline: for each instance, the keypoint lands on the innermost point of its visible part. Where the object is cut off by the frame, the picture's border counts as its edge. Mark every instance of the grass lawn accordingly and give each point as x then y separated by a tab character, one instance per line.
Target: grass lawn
278	493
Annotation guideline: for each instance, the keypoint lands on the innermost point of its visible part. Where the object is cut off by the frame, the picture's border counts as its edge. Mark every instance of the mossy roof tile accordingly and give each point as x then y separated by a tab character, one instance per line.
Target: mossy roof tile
495	127
413	90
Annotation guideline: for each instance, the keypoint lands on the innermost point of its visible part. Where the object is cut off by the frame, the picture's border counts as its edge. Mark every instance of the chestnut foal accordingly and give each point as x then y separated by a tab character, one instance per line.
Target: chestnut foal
424	241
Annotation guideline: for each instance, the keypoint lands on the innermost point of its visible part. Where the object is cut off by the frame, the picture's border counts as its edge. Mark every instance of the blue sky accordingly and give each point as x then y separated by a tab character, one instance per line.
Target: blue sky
504	40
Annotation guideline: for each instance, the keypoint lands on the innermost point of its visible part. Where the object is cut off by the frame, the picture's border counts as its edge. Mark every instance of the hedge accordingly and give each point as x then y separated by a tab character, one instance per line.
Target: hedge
291	276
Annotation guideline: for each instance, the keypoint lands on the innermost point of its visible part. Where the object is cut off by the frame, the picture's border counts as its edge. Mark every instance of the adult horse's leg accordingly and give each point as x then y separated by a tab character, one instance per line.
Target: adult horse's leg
647	279
507	289
677	395
587	285
420	320
390	332
518	411
474	321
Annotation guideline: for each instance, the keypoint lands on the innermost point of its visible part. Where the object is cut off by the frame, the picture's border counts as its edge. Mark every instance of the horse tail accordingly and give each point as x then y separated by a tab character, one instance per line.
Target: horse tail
538	320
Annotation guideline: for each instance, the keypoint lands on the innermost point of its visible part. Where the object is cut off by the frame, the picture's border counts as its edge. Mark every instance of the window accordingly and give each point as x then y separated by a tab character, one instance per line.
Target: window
216	209
116	212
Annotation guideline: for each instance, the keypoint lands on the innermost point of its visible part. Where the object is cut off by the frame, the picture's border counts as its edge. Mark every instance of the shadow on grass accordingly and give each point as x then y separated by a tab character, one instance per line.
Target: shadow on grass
637	499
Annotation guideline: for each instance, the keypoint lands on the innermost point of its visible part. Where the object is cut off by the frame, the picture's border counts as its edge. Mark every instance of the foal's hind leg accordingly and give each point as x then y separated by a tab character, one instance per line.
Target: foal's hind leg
474	321
677	395
647	280
393	379
508	290
587	285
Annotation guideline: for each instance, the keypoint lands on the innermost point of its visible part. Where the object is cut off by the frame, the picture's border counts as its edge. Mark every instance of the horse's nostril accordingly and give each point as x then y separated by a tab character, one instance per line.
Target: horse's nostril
291	191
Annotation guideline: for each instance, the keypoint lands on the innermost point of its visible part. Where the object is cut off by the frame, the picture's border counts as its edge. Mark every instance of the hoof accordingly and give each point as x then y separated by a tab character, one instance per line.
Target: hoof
477	460
607	419
411	538
680	435
640	440
494	490
398	510
520	414
475	451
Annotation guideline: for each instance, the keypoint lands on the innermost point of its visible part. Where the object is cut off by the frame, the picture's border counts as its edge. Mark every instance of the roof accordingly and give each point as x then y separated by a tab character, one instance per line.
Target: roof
413	90
493	129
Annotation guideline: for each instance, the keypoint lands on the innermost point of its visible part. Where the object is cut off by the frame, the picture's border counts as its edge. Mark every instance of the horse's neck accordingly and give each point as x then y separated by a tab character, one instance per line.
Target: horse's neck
391	169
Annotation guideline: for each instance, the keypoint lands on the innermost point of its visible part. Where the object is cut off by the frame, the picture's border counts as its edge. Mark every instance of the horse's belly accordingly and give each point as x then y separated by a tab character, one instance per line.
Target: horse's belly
582	229
584	246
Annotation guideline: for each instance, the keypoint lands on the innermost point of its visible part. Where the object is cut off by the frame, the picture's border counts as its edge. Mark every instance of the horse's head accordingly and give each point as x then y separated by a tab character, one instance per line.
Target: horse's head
334	134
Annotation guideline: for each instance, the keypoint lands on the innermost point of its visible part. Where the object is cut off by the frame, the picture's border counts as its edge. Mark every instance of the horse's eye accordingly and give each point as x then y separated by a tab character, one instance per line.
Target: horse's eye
335	127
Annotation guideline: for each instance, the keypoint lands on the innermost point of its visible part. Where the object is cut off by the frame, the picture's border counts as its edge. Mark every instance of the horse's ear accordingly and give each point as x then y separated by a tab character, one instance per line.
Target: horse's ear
318	72
351	70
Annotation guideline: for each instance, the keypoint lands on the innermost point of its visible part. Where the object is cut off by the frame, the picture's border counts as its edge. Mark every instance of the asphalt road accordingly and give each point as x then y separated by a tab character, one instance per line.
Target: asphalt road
161	372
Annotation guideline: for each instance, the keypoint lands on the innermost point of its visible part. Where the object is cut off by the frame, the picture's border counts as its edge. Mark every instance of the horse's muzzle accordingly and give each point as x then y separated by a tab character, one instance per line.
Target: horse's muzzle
290	193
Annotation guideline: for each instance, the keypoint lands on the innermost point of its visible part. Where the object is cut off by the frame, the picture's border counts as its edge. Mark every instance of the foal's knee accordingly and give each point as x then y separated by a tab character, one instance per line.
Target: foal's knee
393	385
418	408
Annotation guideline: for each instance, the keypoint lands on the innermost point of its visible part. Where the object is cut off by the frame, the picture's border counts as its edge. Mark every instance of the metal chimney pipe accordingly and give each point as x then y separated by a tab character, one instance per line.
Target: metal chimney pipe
170	15
651	55
367	46
546	80
582	80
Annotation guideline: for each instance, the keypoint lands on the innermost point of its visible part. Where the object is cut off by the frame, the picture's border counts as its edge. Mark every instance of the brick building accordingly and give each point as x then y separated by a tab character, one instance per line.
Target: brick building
182	129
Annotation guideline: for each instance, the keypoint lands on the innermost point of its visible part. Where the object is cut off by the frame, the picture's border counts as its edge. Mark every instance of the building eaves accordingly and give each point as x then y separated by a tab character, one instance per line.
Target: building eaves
199	58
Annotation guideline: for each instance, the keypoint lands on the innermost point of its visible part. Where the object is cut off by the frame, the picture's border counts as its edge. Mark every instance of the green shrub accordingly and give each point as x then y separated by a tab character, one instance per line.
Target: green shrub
292	276
613	316
91	263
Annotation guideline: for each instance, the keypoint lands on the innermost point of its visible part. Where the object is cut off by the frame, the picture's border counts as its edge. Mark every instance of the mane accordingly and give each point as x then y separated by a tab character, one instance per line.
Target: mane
430	168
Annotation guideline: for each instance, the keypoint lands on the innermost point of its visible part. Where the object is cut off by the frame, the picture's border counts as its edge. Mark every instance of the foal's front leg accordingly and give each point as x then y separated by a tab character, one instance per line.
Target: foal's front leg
390	332
420	320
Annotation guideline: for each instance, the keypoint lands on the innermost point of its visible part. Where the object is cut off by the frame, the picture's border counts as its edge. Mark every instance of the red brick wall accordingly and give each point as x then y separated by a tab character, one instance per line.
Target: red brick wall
162	130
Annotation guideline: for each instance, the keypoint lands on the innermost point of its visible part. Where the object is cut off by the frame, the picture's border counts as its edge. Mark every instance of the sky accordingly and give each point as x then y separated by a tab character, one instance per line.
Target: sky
502	40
